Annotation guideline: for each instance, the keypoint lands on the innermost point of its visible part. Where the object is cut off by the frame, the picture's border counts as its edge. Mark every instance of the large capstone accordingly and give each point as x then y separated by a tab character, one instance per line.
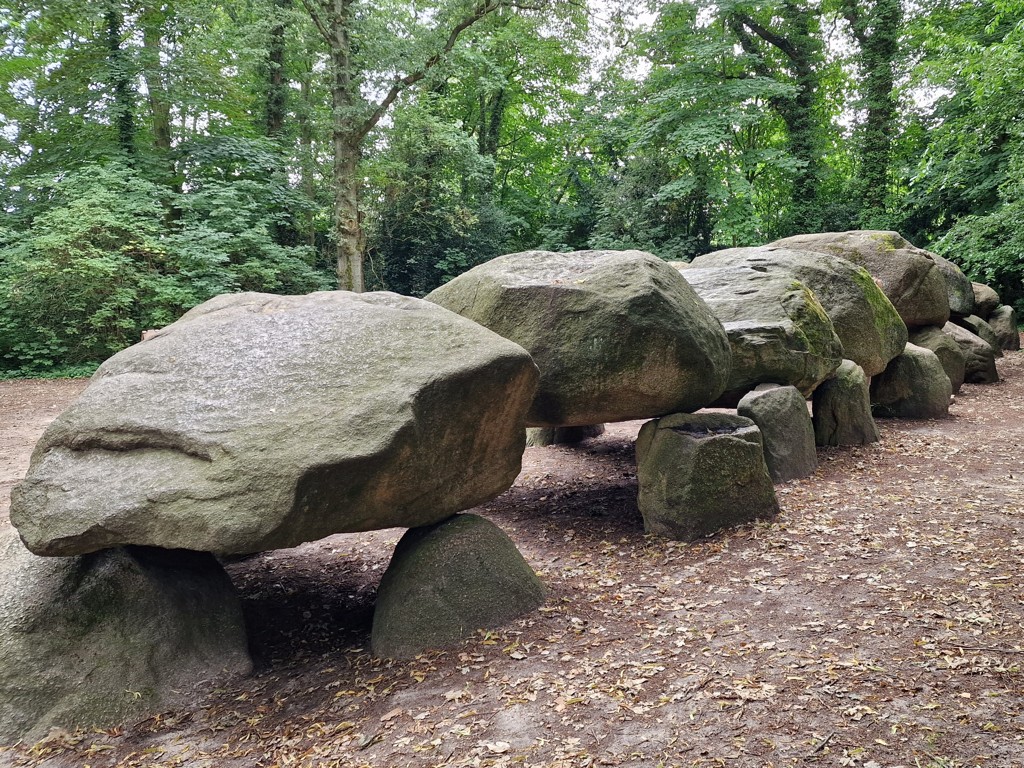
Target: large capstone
93	640
979	357
1003	322
946	349
841	409
959	289
258	422
866	322
786	429
698	473
983	330
447	581
909	276
617	335
985	300
777	329
914	386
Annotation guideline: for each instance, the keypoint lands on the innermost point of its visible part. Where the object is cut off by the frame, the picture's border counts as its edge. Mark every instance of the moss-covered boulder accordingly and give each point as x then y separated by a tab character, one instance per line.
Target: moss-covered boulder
1003	322
777	329
698	473
913	386
979	356
786	429
946	349
910	277
841	409
866	322
259	422
617	335
447	581
985	300
93	640
539	437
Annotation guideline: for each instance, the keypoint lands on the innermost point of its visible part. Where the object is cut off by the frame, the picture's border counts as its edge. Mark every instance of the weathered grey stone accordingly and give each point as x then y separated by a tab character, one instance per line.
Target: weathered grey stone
914	386
946	349
93	640
979	357
777	329
447	581
539	437
617	335
258	422
1003	322
786	429
699	473
841	409
959	289
983	330
985	300
909	276
866	322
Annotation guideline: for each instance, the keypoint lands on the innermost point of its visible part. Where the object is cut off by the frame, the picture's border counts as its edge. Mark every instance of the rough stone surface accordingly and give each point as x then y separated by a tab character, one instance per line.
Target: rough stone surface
979	357
786	429
946	349
776	327
93	640
539	437
617	335
914	386
447	581
699	473
982	329
841	409
985	300
866	322
258	422
959	289
909	276
1003	321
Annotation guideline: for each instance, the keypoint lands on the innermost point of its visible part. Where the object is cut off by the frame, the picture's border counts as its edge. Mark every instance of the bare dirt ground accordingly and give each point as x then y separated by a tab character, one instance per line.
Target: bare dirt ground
877	622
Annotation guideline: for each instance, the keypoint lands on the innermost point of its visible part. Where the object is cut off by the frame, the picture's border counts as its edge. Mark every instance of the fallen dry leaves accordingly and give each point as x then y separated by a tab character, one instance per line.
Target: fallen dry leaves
877	622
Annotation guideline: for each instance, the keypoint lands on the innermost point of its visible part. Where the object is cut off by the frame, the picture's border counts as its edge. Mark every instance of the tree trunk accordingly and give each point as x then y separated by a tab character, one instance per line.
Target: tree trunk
120	81
348	231
277	92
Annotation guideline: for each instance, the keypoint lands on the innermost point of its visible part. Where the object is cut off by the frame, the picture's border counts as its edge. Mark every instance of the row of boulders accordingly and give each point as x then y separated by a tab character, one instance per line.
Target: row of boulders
258	422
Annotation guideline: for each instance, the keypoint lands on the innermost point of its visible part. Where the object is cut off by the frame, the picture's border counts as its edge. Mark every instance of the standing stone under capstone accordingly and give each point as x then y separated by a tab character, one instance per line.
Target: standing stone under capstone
785	423
698	473
841	409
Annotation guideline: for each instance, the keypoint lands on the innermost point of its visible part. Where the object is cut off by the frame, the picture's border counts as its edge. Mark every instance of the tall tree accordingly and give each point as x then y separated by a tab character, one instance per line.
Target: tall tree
383	50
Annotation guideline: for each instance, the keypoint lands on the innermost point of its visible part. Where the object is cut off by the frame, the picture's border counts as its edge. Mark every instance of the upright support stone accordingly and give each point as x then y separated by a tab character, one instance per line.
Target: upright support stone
539	437
841	409
445	582
979	357
1003	322
781	415
913	386
946	349
699	473
93	640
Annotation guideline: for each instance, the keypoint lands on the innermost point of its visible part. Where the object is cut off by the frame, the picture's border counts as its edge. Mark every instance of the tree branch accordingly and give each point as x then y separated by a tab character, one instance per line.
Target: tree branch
318	22
484	8
773	39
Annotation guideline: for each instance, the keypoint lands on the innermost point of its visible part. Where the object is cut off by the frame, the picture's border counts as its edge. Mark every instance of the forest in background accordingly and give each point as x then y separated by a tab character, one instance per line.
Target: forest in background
153	155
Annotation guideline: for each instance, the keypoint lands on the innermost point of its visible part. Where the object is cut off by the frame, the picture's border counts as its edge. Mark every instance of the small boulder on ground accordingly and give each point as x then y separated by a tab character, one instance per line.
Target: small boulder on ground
914	386
777	329
698	473
447	581
539	437
985	300
866	322
841	409
259	422
910	277
93	640
946	349
617	335
1003	322
786	429
979	357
